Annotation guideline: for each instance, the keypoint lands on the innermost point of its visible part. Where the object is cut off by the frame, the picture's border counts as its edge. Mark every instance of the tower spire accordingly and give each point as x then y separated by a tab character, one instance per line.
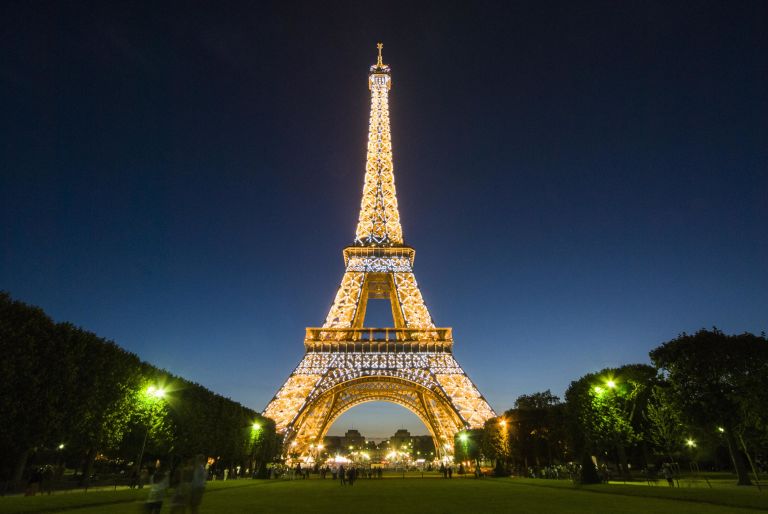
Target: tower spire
379	221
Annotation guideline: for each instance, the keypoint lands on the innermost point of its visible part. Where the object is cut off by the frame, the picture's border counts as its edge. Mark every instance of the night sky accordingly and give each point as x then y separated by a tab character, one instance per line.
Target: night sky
582	181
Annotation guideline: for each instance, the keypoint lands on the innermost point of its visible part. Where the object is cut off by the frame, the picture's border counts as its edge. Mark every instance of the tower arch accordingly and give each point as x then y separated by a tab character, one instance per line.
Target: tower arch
431	406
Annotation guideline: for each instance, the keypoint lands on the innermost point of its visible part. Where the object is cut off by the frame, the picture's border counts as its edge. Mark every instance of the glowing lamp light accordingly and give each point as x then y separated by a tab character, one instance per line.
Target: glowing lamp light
690	443
157	392
61	446
463	437
256	426
502	423
721	430
611	384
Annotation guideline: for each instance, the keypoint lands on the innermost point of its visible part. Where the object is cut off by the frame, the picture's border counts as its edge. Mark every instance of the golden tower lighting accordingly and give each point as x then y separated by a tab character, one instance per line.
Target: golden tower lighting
346	363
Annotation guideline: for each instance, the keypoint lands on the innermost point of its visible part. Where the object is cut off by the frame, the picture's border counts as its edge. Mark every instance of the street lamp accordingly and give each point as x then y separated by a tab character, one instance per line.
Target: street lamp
155	394
255	432
611	384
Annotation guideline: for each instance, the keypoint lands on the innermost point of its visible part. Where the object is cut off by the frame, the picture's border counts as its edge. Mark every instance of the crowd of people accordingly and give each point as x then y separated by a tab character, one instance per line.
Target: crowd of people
347	475
40	480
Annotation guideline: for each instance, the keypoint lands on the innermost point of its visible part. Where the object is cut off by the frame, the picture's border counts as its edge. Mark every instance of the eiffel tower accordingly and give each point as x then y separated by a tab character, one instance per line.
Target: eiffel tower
345	363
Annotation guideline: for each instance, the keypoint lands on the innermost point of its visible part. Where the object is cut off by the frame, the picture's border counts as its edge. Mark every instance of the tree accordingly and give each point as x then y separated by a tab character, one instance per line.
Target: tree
717	382
63	384
31	411
468	445
496	444
665	429
605	408
538	419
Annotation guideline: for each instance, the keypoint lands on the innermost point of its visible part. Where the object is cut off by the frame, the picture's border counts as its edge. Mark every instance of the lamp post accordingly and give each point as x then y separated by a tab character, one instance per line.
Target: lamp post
154	394
255	431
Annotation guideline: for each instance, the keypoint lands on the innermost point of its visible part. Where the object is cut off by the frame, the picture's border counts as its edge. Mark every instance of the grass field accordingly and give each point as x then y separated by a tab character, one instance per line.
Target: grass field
422	496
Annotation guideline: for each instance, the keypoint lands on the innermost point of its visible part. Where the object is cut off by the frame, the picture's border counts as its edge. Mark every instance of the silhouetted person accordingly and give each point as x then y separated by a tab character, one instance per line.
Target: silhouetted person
33	485
47	482
181	481
143	477
668	475
197	484
342	475
159	484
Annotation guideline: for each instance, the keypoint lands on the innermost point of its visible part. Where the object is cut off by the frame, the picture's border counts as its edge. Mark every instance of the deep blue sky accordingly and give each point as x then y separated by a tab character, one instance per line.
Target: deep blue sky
581	180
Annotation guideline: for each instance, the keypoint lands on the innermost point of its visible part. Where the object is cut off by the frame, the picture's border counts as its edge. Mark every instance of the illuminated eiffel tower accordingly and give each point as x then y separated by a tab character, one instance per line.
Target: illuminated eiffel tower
347	364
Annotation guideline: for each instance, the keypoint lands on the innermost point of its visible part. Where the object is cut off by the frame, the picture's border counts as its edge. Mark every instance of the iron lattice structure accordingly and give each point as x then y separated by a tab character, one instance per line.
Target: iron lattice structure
346	364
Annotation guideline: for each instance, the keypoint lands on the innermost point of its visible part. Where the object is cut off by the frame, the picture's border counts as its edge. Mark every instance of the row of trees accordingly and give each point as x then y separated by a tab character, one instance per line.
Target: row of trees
704	398
71	394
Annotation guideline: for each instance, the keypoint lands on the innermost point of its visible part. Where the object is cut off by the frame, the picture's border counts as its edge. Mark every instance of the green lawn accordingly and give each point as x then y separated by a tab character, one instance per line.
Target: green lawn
422	496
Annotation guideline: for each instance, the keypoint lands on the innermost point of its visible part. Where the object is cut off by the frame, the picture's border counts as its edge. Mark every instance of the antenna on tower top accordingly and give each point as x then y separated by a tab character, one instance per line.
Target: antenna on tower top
379	46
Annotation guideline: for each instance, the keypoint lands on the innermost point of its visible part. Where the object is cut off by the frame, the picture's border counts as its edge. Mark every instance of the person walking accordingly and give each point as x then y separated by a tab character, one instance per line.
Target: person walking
158	485
668	475
181	481
47	483
35	479
197	484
